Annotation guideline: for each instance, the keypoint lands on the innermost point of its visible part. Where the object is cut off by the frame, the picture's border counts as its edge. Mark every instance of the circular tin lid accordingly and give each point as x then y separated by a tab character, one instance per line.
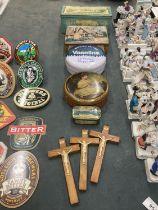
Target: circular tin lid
6	50
85	58
25	51
32	98
30	74
7	80
86	89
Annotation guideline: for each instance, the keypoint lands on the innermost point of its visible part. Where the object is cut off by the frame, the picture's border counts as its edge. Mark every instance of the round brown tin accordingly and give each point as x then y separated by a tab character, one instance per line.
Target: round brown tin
86	89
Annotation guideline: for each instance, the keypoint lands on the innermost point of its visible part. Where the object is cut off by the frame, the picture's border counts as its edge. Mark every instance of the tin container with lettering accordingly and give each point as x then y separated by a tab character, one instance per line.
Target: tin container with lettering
85	16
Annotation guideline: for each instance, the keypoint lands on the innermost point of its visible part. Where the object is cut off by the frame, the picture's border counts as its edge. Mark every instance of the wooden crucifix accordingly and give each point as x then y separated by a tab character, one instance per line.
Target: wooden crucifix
64	152
104	137
84	141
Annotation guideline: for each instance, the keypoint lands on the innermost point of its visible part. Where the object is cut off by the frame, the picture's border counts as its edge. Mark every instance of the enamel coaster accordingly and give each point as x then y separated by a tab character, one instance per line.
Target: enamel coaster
19	178
3	152
6	50
85	58
7	80
30	74
25	51
31	98
6	115
26	133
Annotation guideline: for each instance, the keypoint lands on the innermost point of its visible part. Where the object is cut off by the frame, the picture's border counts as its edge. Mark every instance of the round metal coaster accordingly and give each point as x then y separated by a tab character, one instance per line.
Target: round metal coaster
25	51
6	50
31	98
30	74
7	80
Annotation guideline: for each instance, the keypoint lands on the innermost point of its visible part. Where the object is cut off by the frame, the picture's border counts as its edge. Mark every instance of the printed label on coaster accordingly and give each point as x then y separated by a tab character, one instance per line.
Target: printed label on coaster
25	51
150	204
6	115
31	98
6	50
3	152
19	178
7	80
30	74
26	134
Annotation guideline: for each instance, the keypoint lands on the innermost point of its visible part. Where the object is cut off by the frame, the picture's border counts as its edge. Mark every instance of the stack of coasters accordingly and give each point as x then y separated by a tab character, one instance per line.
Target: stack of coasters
85	58
84	16
89	35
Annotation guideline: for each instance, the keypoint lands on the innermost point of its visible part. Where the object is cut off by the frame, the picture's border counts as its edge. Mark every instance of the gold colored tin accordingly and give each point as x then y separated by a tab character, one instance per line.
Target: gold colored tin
86	89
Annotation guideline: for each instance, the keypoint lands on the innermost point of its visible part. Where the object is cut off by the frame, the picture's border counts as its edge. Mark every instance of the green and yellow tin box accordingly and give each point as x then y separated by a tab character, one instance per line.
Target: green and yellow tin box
86	114
85	16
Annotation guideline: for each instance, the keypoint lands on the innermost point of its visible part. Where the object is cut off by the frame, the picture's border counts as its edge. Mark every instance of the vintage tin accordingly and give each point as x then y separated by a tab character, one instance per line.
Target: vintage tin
86	35
84	16
86	89
85	58
86	114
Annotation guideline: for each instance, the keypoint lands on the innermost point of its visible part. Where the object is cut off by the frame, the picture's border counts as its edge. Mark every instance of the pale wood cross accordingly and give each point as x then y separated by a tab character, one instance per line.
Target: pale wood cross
64	152
104	137
84	141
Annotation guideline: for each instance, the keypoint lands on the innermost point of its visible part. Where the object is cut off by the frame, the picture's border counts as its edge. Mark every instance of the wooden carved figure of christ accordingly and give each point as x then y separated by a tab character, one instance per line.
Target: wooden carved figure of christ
104	138
64	152
84	141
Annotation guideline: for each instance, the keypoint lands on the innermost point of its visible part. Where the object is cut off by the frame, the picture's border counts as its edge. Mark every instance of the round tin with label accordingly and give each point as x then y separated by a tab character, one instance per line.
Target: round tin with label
7	80
30	74
85	58
25	51
86	89
6	50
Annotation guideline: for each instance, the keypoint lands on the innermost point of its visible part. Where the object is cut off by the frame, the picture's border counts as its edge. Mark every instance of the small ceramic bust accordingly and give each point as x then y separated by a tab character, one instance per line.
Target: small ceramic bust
134	103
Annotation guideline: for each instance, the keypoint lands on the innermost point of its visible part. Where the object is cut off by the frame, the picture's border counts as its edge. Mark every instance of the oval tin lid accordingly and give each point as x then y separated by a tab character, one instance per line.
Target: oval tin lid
7	80
31	98
85	58
30	74
6	50
19	178
86	87
25	51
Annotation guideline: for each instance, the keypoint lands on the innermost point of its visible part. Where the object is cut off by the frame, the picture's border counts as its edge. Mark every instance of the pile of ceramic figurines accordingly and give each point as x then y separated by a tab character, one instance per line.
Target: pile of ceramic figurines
137	37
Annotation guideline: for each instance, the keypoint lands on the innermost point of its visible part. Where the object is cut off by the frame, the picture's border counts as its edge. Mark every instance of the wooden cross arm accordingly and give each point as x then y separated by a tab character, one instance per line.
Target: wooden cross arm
114	139
75	140
95	134
58	152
